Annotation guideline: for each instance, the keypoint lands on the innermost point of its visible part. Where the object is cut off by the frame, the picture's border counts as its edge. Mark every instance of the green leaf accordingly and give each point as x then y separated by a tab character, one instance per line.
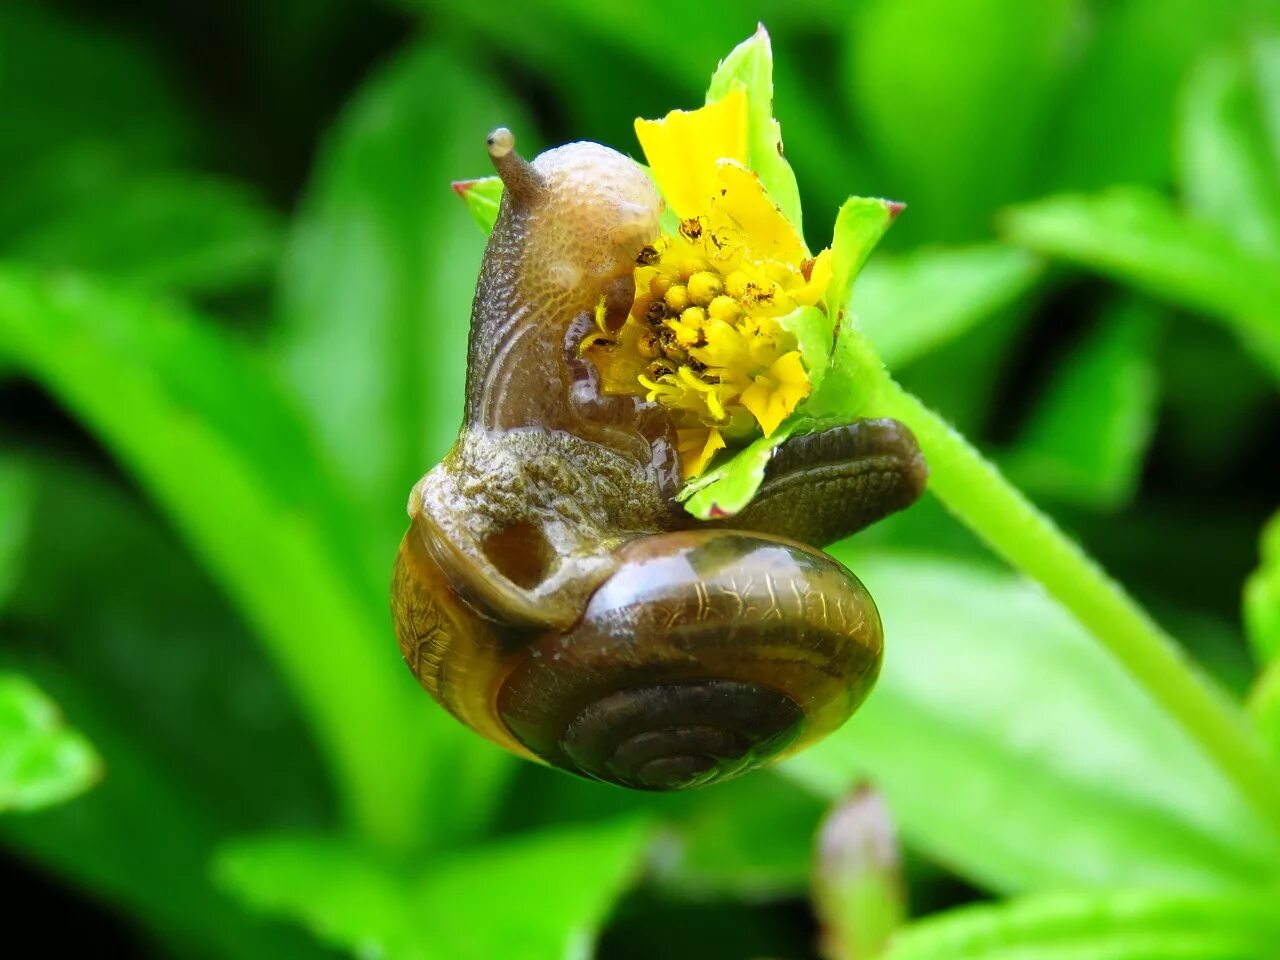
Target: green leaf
1114	925
42	762
953	96
482	197
345	895
700	853
556	888
163	232
859	893
726	489
1230	143
704	853
379	277
814	333
845	389
540	896
750	65
1059	769
1137	238
172	661
1262	597
139	842
1086	440
205	434
190	719
913	305
860	224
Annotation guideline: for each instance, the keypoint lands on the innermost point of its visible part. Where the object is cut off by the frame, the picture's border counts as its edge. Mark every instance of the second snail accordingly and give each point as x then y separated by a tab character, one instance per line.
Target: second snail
552	591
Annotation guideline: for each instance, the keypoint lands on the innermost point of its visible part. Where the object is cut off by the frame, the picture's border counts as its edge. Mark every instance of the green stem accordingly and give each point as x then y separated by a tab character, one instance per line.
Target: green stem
974	491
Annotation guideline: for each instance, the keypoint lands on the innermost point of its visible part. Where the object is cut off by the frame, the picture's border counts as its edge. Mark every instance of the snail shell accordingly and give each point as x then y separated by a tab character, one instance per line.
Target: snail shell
550	593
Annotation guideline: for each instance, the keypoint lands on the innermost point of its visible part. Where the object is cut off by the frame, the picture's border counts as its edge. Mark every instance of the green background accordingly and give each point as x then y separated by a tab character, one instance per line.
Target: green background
234	286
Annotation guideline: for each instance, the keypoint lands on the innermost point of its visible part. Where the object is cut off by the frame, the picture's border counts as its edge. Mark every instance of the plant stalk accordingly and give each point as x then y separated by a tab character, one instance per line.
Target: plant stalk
976	493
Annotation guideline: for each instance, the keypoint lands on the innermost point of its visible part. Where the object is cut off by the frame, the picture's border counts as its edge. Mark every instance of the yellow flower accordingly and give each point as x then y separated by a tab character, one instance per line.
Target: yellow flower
697	446
684	147
775	394
703	337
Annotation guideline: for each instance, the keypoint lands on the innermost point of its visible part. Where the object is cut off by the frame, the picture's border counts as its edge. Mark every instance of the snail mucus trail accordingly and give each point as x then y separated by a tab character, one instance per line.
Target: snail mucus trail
552	595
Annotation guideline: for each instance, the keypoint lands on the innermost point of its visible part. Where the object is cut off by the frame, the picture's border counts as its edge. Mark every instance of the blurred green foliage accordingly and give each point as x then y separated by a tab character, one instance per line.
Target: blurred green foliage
41	762
234	287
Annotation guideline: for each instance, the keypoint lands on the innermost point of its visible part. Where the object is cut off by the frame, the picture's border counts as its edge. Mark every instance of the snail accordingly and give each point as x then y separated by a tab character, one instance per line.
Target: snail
550	592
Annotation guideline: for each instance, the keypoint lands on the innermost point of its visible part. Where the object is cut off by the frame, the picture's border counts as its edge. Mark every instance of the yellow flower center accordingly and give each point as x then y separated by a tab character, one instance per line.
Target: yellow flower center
708	335
703	336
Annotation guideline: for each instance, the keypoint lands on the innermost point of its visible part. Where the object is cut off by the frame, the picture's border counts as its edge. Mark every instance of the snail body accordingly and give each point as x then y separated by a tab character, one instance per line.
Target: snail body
552	595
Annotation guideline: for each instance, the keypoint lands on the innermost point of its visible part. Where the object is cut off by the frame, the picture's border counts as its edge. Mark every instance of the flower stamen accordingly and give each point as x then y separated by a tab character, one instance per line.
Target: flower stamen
703	337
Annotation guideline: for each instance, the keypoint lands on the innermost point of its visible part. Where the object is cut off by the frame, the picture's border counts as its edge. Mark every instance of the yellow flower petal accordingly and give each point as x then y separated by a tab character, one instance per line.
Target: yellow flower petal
789	371
697	447
741	202
819	279
776	393
682	149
